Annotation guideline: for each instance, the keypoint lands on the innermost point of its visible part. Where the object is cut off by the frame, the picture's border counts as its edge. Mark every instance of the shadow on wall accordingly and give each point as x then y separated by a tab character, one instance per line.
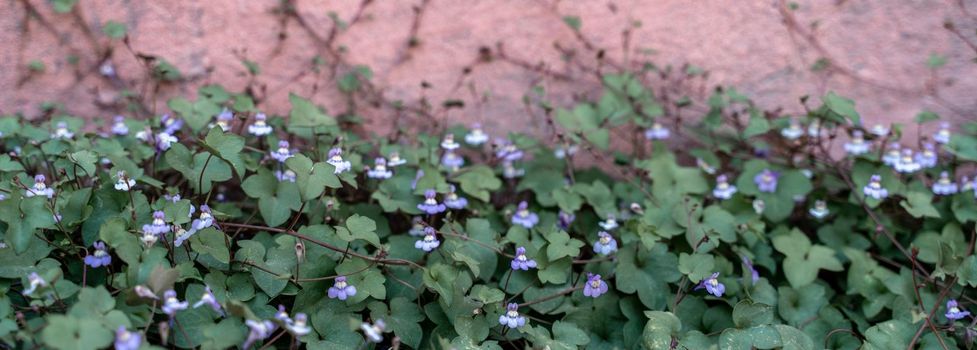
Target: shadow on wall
426	63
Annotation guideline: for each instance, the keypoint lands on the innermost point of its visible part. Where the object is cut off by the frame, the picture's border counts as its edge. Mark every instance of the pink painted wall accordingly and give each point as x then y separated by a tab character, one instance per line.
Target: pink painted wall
880	47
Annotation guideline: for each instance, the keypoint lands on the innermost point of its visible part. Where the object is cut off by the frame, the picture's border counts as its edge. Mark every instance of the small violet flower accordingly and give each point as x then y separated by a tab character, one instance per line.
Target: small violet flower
40	188
224	119
874	188
907	163
521	262
209	299
511	317
595	286
164	141
723	189
564	220
170	124
287	175
892	155
759	206
124	182
374	332
820	209
417	177
119	126
158	226
754	274
341	289
953	311
260	126
100	257
511	172
336	159
148	239
417	227
880	130
928	157
144	292
126	340
258	330
605	243
282	314
766	180
430	240
657	132
524	217
857	145
283	152
395	160
449	143
171	304
380	170
945	185
943	135
712	285
34	281
609	224
452	160
300	327
453	201
61	131
430	204
792	131
508	151
205	220
476	136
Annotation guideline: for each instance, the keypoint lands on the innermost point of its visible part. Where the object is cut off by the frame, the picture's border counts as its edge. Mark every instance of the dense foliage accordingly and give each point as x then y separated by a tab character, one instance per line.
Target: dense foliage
215	226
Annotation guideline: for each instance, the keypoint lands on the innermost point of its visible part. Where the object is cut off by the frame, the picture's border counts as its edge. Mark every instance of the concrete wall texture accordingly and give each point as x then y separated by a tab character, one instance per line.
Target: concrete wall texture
878	48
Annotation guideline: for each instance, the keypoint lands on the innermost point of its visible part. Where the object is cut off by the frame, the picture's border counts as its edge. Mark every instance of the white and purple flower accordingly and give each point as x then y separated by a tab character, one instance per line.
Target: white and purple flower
224	119
453	200
374	332
723	189
336	159
430	240
524	217
395	160
874	188
507	151
209	299
928	157
953	311
126	340
657	132
792	131
605	243
943	135
300	327
40	188
158	226
511	318
260	126
609	224
283	152
452	160
476	136
892	155
712	285
907	162
521	262
595	286
766	180
34	281
171	304
430	204
380	170
341	289
258	330
754	274
61	131
119	126
449	143
945	186
857	145
100	257
287	175
820	210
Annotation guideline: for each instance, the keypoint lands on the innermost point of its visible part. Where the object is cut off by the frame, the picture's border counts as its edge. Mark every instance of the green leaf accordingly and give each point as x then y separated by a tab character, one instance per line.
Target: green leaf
659	331
696	266
478	181
562	245
312	179
126	245
893	334
227	147
86	160
748	314
919	204
70	333
403	318
572	21
359	227
210	241
114	30
306	114
63	6
757	125
803	259
842	106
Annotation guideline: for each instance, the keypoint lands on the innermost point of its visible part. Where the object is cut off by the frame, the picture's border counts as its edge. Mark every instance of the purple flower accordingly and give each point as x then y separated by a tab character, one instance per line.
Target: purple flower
508	151
417	227
449	143
943	136
209	299
119	127
158	227
126	340
380	170
511	317
892	154
605	243
341	289
564	220
712	285
857	145
657	132
521	262
453	201
282	153
258	330
524	217
336	159
430	204
476	136
40	188
287	175
282	314
62	132
300	327
595	286
874	188
953	311
928	157
224	119
452	160
417	177
100	257
945	185
907	163
124	182
766	180
430	240
260	127
164	141
171	304
170	124
754	275
205	220
723	189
